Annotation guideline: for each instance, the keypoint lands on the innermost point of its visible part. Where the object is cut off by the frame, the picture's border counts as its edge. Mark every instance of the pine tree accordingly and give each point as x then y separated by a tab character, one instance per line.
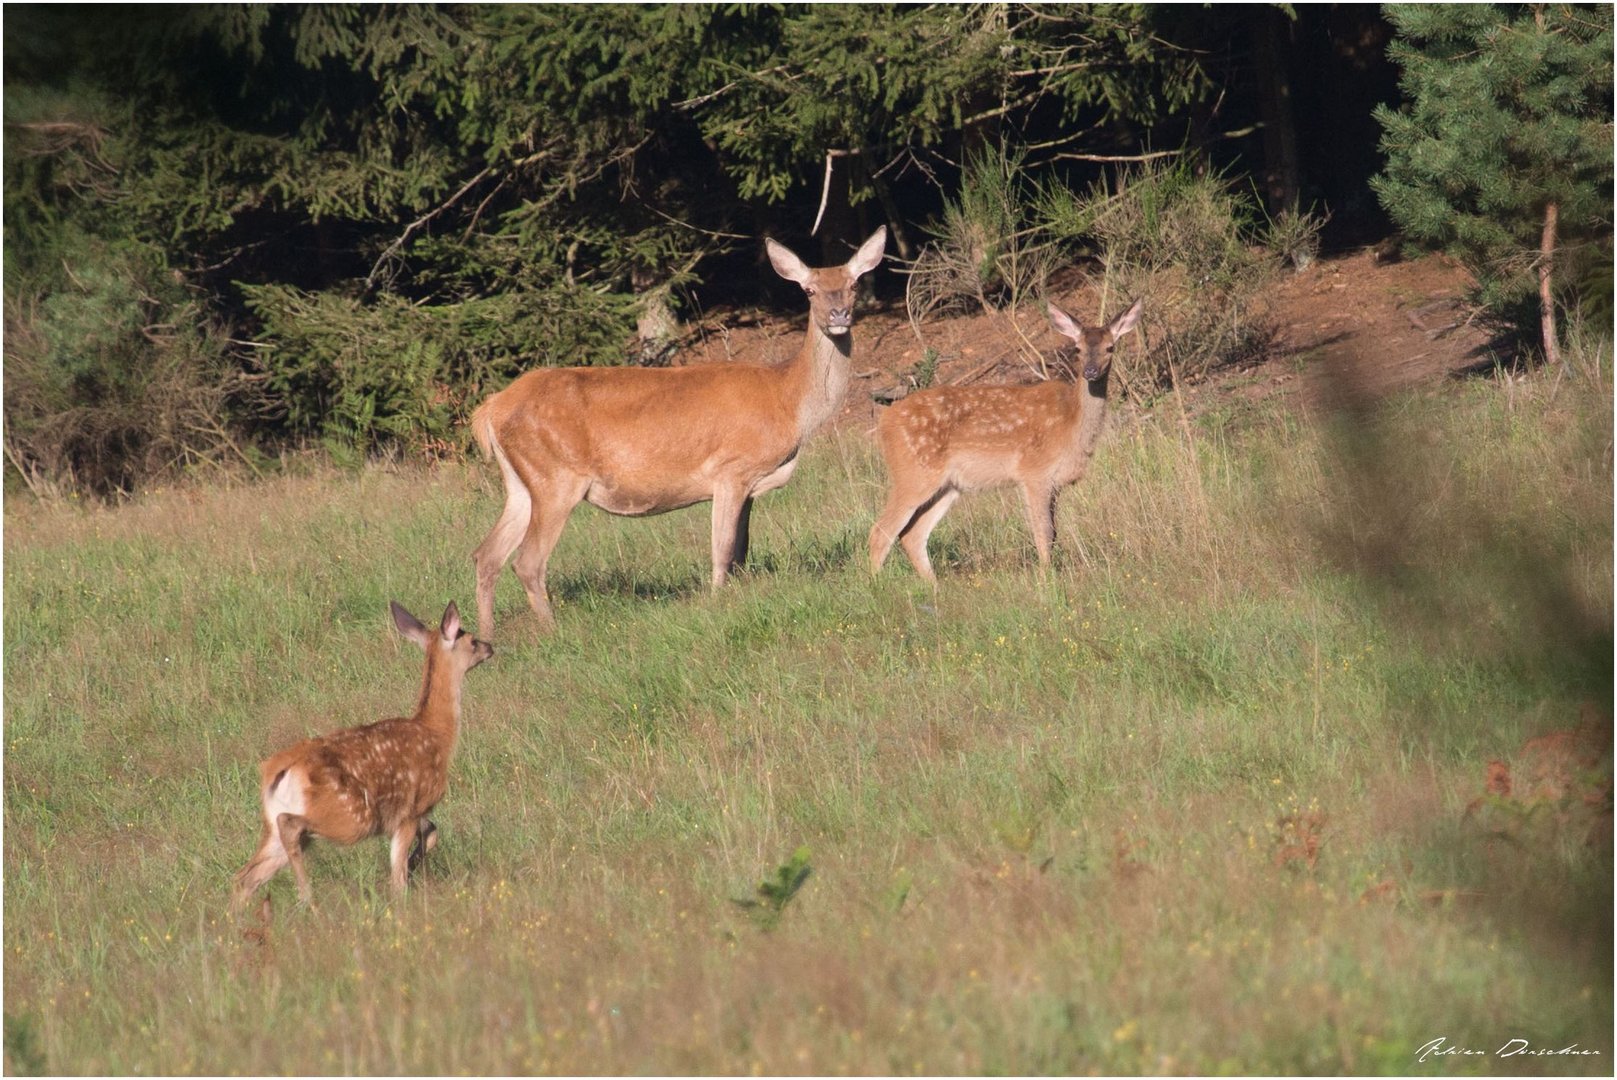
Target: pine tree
1503	151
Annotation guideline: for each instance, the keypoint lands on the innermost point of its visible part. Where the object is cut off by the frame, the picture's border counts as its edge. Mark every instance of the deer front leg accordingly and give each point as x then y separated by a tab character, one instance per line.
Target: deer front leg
1041	518
738	550
403	837
729	506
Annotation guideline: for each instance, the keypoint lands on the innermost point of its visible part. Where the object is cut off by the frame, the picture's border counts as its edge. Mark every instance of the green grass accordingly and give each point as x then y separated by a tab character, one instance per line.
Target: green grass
1195	802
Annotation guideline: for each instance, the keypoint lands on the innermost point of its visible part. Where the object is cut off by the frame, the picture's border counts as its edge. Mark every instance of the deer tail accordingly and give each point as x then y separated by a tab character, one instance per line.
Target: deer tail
483	427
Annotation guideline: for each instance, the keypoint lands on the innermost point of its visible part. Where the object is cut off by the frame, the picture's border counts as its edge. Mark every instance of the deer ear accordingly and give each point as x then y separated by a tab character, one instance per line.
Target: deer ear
786	264
1063	322
409	625
450	627
1125	322
869	255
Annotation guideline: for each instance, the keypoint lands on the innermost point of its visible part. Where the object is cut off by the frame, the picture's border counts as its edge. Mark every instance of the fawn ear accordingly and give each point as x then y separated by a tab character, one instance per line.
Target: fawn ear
786	264
1125	322
1063	322
409	625
869	255
450	627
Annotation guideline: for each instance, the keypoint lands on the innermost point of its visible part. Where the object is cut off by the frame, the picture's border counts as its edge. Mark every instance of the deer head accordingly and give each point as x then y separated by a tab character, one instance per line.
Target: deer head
1095	343
462	650
830	290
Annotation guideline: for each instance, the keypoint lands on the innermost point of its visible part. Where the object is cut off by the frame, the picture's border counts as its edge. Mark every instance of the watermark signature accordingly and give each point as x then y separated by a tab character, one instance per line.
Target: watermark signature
1440	1047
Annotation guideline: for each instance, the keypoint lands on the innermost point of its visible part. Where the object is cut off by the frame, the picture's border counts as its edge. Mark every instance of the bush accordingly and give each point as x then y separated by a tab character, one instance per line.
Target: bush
363	377
1189	245
984	252
113	377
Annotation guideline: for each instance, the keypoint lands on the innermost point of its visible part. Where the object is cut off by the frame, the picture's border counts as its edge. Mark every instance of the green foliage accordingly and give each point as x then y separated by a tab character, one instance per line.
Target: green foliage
1185	240
401	173
926	368
984	251
1508	109
774	893
363	376
113	376
1293	236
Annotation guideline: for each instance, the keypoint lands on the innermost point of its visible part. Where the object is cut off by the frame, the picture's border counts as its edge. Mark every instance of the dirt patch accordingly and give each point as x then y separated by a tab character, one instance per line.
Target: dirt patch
1383	325
1386	326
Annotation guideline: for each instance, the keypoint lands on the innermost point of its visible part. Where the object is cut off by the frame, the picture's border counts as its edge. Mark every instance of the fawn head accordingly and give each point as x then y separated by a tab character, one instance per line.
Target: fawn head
830	290
463	651
1095	343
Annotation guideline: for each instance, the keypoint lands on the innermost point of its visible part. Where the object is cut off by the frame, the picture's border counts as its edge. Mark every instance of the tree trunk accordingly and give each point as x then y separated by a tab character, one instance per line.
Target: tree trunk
655	322
1282	171
1546	294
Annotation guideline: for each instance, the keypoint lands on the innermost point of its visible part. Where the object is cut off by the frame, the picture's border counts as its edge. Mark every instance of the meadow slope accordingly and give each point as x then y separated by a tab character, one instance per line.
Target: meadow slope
1214	796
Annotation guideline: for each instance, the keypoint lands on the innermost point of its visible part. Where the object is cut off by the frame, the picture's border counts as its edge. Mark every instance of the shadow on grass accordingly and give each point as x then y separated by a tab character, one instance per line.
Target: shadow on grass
1504	569
628	582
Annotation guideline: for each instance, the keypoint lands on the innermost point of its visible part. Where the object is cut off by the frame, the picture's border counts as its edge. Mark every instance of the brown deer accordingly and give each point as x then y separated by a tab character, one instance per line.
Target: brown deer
640	441
939	443
382	778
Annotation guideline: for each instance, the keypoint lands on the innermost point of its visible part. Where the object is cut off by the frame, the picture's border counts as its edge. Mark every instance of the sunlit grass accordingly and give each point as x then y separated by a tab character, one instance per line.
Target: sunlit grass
1201	800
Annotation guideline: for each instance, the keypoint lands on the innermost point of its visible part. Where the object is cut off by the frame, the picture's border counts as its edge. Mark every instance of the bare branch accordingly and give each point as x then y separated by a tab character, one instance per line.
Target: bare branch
702	99
410	230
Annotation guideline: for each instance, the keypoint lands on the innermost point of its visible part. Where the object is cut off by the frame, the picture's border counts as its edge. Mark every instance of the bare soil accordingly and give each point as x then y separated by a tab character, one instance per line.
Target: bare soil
1381	325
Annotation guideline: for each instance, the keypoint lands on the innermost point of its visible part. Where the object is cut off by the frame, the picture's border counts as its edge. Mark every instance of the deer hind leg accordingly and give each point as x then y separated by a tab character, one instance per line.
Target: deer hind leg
896	518
399	858
291	829
265	864
426	839
545	524
1041	518
503	539
914	538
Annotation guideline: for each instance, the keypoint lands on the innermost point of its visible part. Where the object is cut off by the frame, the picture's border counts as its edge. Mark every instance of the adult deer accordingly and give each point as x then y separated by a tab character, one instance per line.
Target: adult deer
938	443
640	441
380	778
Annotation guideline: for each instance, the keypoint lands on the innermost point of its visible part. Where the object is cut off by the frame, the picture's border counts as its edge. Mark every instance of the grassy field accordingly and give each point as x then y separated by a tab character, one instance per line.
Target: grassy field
1212	797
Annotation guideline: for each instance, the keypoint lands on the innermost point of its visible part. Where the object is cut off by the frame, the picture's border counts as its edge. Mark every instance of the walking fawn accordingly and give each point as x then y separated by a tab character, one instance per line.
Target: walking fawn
938	443
639	441
380	778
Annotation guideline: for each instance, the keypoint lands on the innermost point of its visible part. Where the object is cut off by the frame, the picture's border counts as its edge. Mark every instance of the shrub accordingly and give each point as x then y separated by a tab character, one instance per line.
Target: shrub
113	376
365	376
984	251
1186	242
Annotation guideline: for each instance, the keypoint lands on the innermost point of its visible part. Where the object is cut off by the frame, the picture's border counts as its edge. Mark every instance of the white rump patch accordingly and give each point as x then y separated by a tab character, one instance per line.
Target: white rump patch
287	797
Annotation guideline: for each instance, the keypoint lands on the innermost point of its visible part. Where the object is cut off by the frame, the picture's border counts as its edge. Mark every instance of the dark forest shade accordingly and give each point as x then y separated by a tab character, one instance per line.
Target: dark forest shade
350	222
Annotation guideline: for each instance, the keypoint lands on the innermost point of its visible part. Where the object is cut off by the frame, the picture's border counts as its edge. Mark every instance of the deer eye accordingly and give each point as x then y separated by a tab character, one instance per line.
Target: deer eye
808	290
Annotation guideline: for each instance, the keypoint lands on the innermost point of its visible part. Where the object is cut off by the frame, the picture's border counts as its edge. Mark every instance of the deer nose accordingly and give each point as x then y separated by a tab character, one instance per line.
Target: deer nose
839	319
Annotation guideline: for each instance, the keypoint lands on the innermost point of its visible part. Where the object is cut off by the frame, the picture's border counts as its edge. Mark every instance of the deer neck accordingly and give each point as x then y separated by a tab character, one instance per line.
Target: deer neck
817	377
1091	397
439	705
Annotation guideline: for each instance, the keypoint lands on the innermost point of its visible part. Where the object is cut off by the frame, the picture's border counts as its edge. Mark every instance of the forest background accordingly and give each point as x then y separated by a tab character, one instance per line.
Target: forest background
237	229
